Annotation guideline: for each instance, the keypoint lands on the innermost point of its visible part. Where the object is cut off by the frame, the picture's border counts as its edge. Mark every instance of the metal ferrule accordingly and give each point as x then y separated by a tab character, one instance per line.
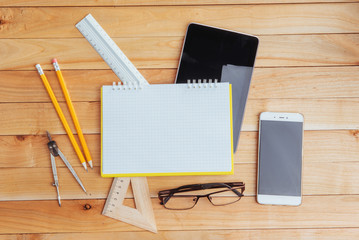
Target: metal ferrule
56	66
39	69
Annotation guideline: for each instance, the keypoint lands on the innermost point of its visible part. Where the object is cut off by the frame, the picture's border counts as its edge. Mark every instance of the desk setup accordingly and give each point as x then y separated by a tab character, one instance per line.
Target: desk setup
212	154
182	129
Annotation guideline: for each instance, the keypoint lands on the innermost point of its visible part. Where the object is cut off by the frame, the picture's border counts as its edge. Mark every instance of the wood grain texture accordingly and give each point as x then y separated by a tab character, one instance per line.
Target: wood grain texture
35	183
83	85
36	118
307	62
57	22
319	146
164	52
289	82
315	212
304	82
289	234
36	3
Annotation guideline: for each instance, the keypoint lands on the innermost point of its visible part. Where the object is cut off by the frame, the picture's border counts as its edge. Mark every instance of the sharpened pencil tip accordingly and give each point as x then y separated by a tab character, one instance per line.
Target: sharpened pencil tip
85	167
90	163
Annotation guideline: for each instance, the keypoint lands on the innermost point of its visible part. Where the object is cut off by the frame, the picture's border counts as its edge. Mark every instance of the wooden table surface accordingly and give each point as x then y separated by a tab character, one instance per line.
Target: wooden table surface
308	62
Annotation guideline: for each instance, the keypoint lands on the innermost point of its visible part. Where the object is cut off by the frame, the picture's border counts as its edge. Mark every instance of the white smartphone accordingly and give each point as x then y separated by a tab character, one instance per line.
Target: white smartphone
280	155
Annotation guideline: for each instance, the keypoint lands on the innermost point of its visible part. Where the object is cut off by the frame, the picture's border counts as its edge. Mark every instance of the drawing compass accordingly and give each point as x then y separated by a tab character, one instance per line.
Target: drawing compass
54	152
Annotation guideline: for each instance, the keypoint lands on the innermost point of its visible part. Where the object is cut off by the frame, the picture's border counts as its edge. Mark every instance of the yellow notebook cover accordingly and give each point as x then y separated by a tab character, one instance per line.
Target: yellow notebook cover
166	130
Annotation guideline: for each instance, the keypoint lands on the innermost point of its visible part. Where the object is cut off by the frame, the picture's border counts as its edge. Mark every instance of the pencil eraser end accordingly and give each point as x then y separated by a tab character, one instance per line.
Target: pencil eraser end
39	69
54	60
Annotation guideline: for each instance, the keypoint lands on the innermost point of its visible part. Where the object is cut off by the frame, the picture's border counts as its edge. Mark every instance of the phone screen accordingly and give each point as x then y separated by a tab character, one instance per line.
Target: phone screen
280	158
214	53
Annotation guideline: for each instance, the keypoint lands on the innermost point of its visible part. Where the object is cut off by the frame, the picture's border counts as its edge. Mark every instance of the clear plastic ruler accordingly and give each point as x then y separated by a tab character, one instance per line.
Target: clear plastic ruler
109	51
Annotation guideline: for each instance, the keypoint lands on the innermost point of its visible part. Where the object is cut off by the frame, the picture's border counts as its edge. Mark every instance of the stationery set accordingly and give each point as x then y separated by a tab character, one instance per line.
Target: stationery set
153	130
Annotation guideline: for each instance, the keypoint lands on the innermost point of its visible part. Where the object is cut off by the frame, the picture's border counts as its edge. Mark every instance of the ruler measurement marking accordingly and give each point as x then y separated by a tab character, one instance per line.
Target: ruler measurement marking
109	51
113	201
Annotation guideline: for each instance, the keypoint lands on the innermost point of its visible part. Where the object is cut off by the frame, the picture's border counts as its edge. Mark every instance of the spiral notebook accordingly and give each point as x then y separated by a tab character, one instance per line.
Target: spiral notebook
166	129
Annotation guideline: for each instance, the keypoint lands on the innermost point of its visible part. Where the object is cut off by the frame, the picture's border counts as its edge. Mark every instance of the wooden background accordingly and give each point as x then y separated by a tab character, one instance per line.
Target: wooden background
308	62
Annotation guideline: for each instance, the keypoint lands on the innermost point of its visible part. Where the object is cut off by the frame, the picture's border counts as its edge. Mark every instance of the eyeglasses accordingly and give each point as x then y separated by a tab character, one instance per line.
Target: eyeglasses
185	197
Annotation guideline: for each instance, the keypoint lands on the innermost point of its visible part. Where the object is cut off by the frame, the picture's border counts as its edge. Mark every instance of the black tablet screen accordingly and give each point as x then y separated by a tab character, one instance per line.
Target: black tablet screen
207	49
212	53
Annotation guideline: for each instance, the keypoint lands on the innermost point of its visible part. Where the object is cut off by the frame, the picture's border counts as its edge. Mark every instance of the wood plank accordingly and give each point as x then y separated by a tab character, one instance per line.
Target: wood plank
47	217
164	52
36	118
290	234
318	114
83	85
59	22
49	3
35	183
304	82
78	53
319	146
289	82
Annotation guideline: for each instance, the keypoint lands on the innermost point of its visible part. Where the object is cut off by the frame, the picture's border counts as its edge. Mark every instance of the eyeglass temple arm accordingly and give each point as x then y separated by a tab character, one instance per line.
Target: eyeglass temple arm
231	186
164	196
221	185
235	184
192	187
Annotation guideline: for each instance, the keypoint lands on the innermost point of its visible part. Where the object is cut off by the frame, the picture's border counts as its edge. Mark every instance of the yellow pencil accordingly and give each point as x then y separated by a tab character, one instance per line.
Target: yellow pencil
61	116
72	112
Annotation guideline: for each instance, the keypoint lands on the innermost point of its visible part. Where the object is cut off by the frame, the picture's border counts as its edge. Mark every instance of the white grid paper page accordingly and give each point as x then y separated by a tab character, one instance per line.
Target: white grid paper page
168	128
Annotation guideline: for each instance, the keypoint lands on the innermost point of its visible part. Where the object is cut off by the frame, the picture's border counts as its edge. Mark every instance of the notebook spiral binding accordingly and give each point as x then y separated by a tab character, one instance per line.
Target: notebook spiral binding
202	83
194	83
126	86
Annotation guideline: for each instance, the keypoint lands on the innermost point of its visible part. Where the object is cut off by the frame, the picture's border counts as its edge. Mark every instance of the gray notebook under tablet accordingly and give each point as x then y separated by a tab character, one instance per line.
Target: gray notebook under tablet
240	78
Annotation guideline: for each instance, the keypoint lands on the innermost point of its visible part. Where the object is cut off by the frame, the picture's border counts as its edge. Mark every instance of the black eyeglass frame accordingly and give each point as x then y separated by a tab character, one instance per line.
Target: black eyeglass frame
165	195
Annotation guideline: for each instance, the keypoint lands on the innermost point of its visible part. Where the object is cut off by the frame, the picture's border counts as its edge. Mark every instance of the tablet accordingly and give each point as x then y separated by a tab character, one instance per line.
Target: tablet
211	53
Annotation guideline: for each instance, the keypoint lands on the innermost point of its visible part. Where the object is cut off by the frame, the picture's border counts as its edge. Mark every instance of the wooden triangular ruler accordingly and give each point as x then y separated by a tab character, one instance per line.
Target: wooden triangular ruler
142	216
